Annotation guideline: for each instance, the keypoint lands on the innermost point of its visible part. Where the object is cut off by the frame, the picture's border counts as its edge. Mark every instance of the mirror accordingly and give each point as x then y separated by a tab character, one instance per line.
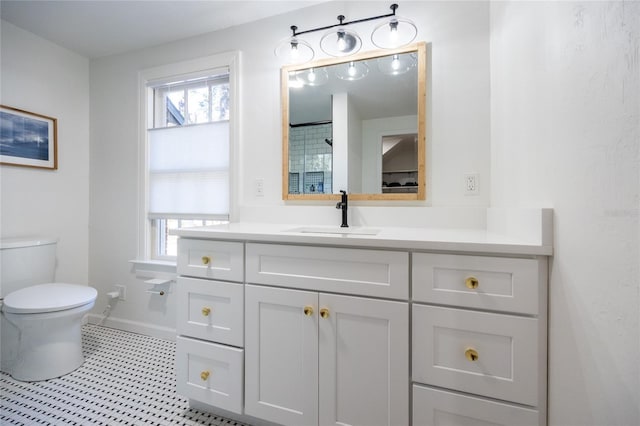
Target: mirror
355	123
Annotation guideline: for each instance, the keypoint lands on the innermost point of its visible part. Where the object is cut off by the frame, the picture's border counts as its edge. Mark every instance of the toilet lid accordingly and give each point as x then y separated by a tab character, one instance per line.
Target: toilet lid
48	298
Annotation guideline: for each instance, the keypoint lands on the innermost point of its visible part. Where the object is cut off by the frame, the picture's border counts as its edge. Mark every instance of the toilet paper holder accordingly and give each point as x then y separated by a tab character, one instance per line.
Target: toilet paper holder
160	286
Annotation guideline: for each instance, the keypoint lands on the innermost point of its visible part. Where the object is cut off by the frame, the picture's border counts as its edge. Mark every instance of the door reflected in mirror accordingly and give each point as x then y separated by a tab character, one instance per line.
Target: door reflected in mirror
400	163
356	124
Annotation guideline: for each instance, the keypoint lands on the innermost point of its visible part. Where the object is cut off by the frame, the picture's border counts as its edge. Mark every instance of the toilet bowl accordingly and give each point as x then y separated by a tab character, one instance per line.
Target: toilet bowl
41	336
41	333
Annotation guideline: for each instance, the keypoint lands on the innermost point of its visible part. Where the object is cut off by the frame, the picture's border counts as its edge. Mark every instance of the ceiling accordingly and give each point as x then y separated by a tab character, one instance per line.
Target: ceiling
107	27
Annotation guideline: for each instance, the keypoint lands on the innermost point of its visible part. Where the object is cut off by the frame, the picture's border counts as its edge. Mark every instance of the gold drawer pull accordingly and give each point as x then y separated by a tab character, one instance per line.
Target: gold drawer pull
204	375
472	282
206	260
206	311
324	313
471	354
308	310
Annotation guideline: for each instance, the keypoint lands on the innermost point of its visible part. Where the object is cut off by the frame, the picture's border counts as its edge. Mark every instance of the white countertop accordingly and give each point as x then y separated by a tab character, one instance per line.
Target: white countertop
431	239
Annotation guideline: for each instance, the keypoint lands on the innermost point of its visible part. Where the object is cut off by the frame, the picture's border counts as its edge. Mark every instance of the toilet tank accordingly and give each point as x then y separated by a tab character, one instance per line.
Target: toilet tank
25	262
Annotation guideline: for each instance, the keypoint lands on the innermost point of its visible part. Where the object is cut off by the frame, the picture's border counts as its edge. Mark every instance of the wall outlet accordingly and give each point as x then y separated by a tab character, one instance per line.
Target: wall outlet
471	183
122	291
259	187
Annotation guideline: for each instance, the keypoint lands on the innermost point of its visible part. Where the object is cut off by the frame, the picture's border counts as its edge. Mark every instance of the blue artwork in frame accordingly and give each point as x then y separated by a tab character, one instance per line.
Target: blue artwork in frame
27	139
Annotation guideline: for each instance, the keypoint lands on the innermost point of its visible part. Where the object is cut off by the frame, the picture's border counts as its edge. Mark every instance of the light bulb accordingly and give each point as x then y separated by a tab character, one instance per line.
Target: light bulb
395	63
311	76
342	44
393	27
352	69
294	49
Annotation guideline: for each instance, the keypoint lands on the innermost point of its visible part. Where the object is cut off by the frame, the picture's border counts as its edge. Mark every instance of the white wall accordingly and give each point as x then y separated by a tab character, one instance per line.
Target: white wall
460	79
39	76
340	148
354	148
565	134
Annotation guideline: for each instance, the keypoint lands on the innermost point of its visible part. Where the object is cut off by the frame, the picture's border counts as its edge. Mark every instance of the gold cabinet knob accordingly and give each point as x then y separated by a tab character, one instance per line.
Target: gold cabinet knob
471	354
471	282
206	260
308	310
324	313
204	375
206	311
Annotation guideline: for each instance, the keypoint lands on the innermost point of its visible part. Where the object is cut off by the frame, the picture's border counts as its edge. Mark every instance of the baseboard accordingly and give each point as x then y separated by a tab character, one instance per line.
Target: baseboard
134	327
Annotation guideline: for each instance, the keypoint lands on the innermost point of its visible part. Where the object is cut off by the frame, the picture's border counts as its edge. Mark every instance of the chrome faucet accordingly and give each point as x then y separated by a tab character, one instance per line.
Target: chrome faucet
343	204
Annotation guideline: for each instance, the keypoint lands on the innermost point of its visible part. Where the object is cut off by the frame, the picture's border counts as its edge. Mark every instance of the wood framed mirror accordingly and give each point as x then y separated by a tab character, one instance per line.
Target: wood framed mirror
355	124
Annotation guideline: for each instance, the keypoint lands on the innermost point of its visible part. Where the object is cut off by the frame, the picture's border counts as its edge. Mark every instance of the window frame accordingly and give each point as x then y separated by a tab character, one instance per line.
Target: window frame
155	76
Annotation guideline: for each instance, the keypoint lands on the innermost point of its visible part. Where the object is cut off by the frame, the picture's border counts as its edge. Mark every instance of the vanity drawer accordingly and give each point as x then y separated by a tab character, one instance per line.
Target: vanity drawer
211	310
220	260
487	354
492	283
433	407
375	273
210	373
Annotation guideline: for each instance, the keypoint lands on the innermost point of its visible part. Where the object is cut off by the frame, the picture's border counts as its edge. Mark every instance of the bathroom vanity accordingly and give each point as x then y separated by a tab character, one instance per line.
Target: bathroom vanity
363	326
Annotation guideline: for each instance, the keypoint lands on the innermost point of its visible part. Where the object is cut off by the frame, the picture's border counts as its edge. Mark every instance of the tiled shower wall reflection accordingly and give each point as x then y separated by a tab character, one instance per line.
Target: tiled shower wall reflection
310	159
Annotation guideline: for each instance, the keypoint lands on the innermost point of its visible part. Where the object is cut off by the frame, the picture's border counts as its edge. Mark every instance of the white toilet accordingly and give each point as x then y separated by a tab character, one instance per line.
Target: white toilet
41	335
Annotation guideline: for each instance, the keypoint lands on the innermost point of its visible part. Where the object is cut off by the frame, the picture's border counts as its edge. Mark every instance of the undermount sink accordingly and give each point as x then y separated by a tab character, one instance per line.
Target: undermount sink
334	230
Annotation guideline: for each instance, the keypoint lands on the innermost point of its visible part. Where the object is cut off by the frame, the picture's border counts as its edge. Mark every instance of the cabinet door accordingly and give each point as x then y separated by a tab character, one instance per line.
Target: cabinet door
281	355
493	355
209	373
210	310
375	273
364	361
484	282
437	407
220	260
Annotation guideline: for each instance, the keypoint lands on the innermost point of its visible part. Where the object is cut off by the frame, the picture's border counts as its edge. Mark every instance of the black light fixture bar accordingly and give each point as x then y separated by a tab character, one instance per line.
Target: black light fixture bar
341	18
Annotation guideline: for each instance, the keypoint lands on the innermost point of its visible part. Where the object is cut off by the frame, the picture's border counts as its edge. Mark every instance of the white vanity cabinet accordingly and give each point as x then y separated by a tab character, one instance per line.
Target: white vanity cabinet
407	327
479	330
210	322
314	357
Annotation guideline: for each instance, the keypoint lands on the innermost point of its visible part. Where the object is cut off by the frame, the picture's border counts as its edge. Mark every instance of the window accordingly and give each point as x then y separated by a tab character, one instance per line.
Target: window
187	146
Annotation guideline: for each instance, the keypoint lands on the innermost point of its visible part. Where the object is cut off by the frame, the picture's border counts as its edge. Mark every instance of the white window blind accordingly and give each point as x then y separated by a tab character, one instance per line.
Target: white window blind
189	171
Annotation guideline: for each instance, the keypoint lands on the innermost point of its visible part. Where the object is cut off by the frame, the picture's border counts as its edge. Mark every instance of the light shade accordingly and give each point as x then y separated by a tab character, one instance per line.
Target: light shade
189	171
354	70
294	51
313	76
340	42
394	32
397	64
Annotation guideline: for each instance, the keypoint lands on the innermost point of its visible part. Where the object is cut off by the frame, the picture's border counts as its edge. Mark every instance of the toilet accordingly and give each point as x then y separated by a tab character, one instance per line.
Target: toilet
41	336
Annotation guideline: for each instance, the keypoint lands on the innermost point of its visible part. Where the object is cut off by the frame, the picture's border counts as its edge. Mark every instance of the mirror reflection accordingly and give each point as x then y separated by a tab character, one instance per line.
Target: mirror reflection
355	124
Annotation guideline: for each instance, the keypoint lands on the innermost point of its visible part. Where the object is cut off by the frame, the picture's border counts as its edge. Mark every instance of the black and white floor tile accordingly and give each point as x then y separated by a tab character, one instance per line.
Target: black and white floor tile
126	379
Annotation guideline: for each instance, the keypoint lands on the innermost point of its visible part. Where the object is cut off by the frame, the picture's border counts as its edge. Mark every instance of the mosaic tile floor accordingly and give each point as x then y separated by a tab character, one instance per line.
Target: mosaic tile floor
127	379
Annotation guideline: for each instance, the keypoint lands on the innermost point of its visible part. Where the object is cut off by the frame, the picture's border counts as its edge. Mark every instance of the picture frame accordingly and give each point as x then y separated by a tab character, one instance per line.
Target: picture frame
28	139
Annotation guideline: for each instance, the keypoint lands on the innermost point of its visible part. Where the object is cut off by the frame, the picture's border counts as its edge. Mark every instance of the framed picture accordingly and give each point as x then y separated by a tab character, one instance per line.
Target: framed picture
28	139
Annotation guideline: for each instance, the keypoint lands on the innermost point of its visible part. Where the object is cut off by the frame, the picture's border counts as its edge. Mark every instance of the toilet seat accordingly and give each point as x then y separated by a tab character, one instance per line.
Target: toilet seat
51	297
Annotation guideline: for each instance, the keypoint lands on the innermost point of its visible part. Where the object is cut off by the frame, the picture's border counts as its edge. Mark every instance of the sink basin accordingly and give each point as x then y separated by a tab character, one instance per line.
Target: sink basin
334	230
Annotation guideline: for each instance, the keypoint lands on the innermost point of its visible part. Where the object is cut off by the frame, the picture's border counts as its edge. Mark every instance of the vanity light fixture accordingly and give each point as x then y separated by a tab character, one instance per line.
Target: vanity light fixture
393	33
397	64
351	71
339	41
313	76
294	50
